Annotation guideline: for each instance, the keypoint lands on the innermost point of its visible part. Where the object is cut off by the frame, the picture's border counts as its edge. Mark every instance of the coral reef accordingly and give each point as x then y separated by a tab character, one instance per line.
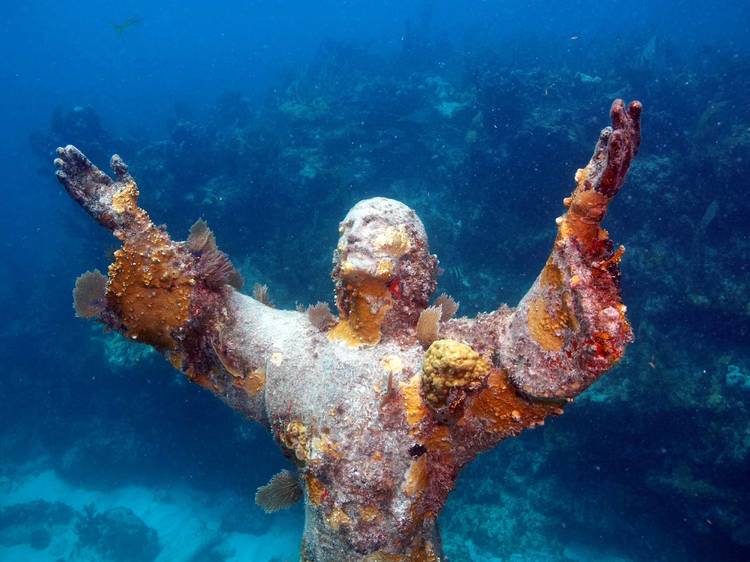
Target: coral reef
117	534
32	523
379	429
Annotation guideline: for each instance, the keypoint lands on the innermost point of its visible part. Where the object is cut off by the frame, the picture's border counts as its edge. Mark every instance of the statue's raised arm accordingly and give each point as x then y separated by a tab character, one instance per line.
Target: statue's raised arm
571	325
569	328
380	407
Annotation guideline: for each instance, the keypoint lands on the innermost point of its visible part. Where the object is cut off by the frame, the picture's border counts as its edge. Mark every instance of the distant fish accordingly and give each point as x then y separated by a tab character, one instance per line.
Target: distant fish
573	37
281	492
120	28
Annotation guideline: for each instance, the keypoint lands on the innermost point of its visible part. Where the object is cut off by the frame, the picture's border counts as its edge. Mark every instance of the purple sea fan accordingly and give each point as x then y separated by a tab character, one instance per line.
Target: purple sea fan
89	294
216	270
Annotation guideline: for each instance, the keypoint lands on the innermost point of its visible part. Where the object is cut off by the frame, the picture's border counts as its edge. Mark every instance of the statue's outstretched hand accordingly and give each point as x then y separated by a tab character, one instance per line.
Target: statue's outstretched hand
113	203
599	182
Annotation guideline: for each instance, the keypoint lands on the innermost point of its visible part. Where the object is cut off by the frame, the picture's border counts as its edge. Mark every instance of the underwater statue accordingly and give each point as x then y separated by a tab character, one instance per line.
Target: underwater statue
380	407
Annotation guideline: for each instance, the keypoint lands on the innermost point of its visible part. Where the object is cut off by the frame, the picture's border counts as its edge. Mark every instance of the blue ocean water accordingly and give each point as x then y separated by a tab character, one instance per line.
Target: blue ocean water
270	120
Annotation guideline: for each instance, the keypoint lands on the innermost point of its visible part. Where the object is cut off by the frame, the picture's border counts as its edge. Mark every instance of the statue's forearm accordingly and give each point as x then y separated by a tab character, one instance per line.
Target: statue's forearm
175	296
571	325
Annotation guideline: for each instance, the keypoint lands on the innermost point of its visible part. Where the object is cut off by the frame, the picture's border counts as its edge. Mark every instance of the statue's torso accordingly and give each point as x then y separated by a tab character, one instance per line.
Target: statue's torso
347	425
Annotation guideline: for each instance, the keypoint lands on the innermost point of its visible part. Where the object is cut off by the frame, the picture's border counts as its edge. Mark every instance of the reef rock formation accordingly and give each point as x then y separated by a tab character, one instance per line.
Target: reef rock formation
378	427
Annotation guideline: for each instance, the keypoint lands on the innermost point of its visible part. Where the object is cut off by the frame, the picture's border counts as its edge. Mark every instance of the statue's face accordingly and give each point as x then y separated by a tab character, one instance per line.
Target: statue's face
384	241
375	235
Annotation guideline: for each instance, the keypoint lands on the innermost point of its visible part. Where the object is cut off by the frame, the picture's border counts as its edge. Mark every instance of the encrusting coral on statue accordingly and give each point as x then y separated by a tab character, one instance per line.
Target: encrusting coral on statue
378	427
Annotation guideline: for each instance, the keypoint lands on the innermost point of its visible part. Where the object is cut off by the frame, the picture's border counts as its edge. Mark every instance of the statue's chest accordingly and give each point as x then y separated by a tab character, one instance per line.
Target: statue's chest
329	400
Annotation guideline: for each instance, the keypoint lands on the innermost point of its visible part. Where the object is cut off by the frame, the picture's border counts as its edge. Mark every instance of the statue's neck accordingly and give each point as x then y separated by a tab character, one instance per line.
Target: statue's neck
363	307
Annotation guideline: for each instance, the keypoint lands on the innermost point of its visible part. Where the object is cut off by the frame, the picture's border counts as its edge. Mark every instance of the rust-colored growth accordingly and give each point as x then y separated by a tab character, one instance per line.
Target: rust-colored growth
253	382
150	283
417	478
601	179
414	407
438	439
201	379
550	315
338	518
551	275
502	411
316	491
585	213
294	437
150	288
369	514
546	327
322	444
364	305
176	359
125	200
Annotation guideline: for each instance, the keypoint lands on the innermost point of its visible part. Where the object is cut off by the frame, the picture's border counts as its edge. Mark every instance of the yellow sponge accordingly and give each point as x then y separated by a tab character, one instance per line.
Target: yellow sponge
449	364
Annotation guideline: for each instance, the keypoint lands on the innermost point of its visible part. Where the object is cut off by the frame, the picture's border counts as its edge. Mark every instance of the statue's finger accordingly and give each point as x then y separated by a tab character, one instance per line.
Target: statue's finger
618	160
618	115
61	176
634	111
119	167
74	157
602	142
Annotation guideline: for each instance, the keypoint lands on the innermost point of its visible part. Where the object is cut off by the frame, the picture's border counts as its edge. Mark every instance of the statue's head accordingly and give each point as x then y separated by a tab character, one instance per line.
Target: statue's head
383	269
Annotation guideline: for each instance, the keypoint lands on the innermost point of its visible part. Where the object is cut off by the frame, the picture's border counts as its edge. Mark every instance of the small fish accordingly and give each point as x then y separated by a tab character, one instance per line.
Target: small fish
281	492
120	28
573	37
